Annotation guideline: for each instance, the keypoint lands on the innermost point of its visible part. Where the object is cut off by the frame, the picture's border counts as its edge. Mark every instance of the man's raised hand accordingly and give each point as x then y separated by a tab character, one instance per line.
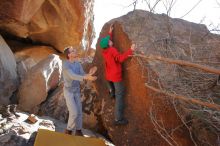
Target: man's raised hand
133	47
90	77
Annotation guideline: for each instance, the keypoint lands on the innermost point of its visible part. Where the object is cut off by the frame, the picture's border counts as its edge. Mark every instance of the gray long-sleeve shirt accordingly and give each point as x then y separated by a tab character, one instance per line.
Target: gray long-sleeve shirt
72	74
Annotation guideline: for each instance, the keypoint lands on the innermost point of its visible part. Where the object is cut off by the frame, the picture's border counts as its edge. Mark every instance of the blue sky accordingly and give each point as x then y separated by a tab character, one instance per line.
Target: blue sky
206	12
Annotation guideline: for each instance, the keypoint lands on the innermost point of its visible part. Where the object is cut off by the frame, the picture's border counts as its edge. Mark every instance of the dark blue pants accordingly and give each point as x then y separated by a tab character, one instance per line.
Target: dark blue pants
118	89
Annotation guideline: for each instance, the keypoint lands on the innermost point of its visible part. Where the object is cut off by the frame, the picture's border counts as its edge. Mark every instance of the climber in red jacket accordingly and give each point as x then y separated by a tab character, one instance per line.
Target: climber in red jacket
113	74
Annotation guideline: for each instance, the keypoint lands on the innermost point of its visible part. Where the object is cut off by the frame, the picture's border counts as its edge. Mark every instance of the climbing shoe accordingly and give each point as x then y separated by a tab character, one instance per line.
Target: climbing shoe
121	122
111	94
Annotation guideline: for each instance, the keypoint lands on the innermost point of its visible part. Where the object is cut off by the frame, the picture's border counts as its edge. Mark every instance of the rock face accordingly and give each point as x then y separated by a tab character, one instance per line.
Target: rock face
91	107
18	132
55	105
36	53
8	72
152	34
57	23
40	79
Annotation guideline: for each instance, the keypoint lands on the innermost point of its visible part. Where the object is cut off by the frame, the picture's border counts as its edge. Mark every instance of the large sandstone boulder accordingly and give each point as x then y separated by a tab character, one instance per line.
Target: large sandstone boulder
23	67
55	105
36	53
151	115
57	23
28	55
40	79
8	72
91	107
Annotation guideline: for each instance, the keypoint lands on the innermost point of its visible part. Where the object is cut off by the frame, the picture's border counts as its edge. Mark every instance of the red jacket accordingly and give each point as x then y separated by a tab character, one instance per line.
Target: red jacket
113	60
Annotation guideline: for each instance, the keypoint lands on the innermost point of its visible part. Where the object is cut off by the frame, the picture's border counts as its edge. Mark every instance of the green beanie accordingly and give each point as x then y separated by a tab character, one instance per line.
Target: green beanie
104	42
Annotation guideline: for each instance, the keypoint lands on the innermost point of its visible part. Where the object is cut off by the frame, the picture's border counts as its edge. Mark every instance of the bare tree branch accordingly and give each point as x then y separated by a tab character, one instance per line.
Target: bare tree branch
180	62
154	6
161	130
187	99
169	5
192	8
134	3
181	118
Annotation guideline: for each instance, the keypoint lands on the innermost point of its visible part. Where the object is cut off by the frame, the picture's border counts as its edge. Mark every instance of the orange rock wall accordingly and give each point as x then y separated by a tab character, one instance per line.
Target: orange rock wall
56	23
140	130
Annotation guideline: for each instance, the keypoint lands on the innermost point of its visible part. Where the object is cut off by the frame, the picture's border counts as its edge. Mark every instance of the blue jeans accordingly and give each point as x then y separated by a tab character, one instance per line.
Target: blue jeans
74	106
119	90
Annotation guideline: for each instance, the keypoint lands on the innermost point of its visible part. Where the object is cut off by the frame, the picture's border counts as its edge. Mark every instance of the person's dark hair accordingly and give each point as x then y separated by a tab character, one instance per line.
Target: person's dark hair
66	52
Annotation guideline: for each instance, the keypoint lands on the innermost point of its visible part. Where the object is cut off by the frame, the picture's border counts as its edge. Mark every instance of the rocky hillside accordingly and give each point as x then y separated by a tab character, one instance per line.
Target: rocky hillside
17	130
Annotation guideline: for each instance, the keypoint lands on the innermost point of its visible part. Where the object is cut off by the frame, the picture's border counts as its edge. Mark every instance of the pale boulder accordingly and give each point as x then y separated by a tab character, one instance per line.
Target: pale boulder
40	79
8	73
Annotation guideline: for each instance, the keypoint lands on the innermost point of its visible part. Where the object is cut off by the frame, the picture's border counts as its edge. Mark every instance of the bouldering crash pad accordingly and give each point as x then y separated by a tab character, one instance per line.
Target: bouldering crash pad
51	138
